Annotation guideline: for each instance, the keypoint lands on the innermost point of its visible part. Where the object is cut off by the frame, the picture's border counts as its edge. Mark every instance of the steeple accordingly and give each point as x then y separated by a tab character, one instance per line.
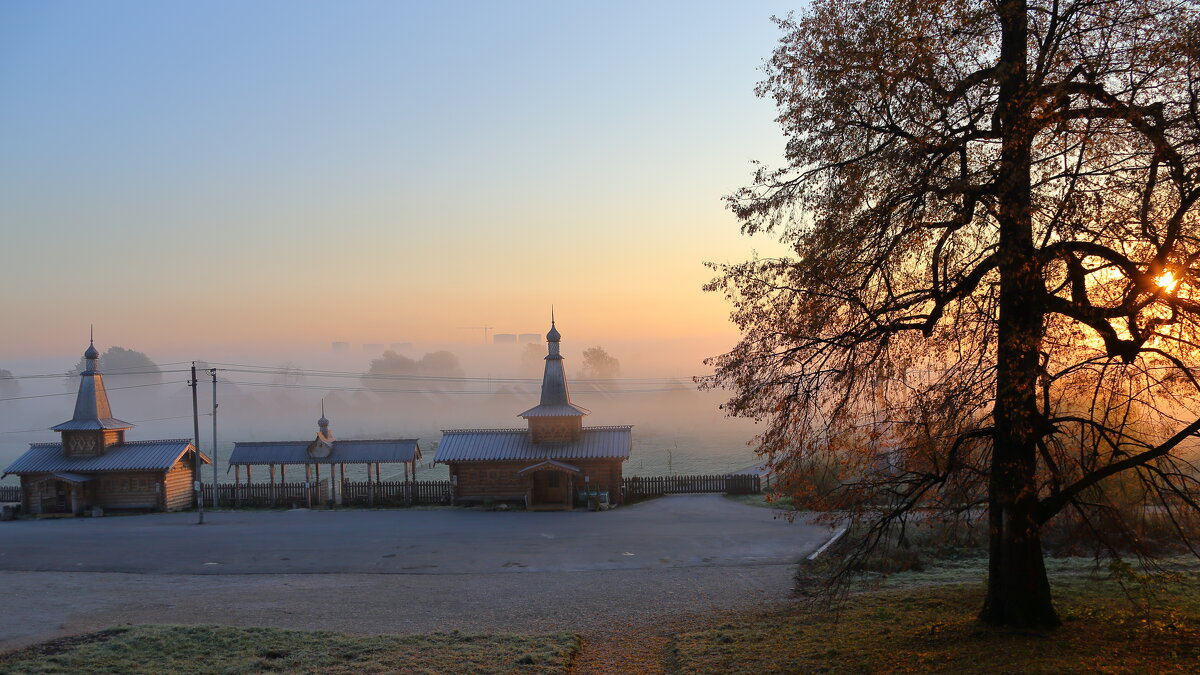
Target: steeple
92	428
555	418
323	424
553	337
322	445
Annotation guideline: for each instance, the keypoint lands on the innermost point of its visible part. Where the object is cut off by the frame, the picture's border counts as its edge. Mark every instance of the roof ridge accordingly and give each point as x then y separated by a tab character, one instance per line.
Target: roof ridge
335	441
608	427
151	441
523	430
375	440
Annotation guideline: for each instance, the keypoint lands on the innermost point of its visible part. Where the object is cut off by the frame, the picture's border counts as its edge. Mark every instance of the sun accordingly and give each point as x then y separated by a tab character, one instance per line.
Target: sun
1167	281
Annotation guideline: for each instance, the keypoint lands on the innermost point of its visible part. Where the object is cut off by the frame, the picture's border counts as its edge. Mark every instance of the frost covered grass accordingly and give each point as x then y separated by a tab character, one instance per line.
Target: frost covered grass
221	649
1114	620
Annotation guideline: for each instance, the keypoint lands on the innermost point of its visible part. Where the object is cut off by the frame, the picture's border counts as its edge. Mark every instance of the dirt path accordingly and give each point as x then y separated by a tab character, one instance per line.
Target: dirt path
637	650
630	647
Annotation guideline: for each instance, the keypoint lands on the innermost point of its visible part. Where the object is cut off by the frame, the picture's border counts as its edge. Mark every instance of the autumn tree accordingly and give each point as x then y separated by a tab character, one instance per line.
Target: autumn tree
599	365
989	306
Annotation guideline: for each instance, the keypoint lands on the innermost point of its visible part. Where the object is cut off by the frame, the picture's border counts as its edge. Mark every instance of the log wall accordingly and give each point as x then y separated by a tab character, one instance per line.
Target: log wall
131	490
177	486
500	480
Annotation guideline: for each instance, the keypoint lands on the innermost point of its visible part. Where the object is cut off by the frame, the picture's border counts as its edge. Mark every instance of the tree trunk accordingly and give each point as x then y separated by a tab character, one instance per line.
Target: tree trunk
1018	591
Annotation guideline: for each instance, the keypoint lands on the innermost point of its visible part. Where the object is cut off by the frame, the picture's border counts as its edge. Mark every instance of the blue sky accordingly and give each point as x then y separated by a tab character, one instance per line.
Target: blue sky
402	167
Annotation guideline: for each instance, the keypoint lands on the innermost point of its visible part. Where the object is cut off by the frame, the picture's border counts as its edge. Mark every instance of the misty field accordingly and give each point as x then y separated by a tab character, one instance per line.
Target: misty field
676	432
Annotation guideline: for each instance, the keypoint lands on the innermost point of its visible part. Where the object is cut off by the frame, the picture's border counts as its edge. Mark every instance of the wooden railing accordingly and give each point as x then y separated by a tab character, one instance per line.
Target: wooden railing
349	493
408	493
637	487
266	494
396	493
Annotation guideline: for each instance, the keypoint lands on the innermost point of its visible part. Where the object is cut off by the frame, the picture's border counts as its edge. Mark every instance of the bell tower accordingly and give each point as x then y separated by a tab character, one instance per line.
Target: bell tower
92	429
555	419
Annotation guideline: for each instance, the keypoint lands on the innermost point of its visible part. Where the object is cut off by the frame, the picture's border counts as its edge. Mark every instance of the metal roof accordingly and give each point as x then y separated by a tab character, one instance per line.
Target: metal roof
469	445
128	456
384	451
556	399
556	410
91	425
91	402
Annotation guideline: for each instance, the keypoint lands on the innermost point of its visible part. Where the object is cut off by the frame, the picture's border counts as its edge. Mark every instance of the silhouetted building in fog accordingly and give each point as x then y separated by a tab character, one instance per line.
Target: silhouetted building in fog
339	347
550	463
94	466
504	338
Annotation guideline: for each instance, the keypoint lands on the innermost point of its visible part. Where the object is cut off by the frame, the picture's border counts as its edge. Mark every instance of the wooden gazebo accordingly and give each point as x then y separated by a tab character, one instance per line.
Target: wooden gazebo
324	451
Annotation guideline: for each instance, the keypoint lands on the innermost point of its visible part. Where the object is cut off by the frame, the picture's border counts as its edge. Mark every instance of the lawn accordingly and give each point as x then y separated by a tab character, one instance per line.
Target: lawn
927	624
910	622
219	649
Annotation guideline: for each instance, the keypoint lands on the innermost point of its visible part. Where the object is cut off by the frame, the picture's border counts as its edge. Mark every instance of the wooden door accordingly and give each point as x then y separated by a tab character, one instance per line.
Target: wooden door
54	499
549	487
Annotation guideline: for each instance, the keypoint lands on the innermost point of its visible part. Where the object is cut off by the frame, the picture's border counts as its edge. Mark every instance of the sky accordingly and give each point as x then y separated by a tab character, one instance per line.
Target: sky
207	176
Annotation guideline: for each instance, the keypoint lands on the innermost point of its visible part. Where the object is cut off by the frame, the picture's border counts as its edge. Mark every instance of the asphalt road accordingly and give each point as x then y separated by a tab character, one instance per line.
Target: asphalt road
676	531
397	571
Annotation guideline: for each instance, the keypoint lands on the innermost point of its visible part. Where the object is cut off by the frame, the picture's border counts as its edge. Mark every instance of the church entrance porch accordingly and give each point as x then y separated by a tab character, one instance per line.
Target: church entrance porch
550	485
59	493
56	495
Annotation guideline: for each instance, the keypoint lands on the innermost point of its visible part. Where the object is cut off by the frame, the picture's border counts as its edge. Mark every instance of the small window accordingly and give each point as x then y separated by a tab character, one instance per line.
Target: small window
492	475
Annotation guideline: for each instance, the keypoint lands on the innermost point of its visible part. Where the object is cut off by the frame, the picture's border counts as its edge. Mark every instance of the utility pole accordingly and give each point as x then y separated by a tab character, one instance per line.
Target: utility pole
199	462
216	499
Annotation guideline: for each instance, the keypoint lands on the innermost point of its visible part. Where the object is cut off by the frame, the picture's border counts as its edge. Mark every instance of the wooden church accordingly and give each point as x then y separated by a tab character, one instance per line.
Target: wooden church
95	466
551	464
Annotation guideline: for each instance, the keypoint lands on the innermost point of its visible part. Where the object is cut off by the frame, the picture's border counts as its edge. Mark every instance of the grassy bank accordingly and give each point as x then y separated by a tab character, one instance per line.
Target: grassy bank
926	623
219	649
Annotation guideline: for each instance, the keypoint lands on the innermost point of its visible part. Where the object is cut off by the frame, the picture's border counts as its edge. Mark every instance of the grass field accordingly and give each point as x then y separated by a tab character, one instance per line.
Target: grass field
911	622
219	649
925	622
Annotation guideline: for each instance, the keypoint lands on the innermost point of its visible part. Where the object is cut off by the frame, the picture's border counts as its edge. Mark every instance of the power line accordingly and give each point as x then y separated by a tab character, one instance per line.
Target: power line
74	393
274	370
154	419
103	372
475	392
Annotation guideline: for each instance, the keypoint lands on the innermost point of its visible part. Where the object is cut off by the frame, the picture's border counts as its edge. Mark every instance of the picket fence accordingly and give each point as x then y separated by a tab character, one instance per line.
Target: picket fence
410	493
637	487
350	493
